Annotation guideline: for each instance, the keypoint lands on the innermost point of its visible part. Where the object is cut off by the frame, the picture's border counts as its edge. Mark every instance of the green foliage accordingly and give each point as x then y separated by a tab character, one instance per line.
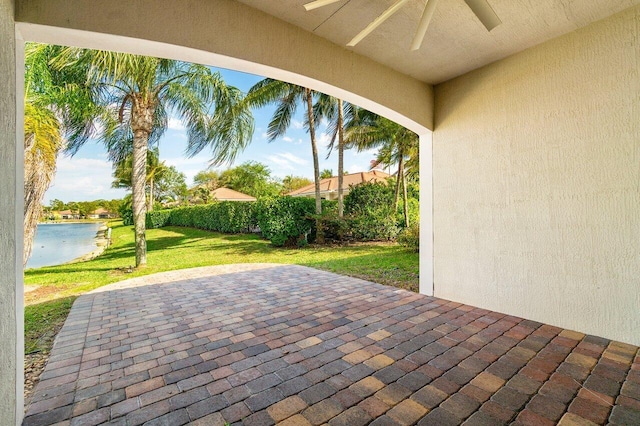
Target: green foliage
286	221
334	228
226	216
369	211
414	211
410	237
126	211
158	218
291	183
326	174
250	178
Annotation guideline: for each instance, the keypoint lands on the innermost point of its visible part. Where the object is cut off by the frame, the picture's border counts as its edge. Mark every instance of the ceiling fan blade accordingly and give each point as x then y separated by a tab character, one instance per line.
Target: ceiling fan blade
319	3
429	8
376	22
485	13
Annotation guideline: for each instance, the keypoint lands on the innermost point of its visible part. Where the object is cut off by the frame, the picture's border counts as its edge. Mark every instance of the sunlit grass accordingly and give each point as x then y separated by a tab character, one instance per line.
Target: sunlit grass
174	248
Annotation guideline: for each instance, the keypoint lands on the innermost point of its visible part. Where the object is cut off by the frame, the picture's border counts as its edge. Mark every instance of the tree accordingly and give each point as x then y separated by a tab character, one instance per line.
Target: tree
288	96
171	187
335	111
138	94
291	183
326	174
208	178
56	107
251	178
123	172
56	204
396	144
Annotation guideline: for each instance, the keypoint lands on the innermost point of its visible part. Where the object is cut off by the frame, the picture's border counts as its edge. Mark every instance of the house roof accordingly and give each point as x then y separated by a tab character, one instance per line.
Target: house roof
226	194
352	179
101	210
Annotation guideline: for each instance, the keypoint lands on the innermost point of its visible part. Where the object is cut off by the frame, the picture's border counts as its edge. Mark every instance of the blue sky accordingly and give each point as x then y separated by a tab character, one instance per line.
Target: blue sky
87	175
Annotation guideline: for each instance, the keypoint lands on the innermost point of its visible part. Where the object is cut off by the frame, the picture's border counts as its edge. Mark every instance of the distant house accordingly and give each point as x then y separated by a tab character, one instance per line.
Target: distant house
329	186
102	213
226	194
68	214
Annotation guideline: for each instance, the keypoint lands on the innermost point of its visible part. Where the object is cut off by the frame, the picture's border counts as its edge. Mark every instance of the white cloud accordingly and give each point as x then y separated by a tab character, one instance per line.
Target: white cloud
286	160
175	124
265	136
294	158
297	124
287	139
82	179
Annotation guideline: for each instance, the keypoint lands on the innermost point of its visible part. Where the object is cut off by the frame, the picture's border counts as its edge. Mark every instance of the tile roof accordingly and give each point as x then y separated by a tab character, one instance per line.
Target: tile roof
352	179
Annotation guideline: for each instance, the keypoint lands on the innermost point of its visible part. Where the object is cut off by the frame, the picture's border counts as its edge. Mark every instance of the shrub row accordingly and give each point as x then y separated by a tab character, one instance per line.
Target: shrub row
225	216
286	221
291	221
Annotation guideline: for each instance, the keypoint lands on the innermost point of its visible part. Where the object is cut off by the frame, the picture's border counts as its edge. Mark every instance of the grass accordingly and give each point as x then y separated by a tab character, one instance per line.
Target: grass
174	248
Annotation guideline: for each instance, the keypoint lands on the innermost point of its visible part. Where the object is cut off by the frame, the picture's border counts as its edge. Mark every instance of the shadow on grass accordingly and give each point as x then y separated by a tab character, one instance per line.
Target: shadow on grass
43	321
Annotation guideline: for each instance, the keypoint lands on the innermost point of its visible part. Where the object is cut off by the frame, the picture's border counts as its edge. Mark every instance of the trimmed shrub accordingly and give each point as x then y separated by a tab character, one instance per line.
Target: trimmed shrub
158	218
286	221
410	237
369	212
225	216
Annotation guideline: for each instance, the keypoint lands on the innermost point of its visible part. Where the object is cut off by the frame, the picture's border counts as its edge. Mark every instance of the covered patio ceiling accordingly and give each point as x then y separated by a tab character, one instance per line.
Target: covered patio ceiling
455	43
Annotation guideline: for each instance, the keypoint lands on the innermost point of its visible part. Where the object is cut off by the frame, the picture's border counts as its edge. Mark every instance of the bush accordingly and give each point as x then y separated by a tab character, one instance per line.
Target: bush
286	221
158	218
225	216
410	237
414	211
126	211
369	212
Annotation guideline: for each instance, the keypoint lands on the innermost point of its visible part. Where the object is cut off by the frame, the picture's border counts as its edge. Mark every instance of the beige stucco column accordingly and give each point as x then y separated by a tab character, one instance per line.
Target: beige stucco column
11	293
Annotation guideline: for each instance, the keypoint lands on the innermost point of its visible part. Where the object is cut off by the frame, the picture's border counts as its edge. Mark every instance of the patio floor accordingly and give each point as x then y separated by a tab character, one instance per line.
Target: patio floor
259	344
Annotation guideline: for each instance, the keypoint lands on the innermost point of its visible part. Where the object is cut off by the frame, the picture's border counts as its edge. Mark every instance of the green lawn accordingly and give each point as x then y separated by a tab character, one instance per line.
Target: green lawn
176	248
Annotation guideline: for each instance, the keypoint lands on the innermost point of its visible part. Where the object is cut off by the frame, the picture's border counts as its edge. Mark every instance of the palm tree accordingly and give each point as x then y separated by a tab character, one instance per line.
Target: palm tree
396	144
56	107
335	111
139	93
288	96
156	169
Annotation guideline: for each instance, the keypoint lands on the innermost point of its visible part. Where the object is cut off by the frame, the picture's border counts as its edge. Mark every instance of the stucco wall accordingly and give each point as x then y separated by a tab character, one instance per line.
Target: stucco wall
537	182
11	319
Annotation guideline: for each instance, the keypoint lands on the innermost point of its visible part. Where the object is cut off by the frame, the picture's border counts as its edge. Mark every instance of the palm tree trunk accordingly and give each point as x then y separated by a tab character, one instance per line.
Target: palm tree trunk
141	122
316	165
150	205
340	159
404	199
396	196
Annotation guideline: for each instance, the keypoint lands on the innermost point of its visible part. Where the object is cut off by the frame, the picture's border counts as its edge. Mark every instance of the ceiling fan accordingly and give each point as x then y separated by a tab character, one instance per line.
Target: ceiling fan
481	8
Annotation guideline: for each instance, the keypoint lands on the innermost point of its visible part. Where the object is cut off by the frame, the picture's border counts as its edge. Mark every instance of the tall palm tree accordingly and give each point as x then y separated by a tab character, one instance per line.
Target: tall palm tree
337	112
396	145
288	97
156	169
56	107
139	93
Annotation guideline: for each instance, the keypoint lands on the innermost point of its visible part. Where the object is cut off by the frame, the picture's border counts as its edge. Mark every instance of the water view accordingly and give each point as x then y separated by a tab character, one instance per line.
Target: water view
58	243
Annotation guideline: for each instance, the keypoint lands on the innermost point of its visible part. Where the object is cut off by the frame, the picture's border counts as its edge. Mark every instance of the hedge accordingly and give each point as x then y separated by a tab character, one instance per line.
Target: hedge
368	209
286	221
225	216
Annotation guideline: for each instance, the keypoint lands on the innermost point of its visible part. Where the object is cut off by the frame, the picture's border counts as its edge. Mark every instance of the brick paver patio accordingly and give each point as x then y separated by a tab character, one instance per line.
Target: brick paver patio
261	344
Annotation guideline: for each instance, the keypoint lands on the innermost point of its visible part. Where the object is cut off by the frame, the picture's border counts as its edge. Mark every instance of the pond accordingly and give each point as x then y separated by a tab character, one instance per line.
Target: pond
57	243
